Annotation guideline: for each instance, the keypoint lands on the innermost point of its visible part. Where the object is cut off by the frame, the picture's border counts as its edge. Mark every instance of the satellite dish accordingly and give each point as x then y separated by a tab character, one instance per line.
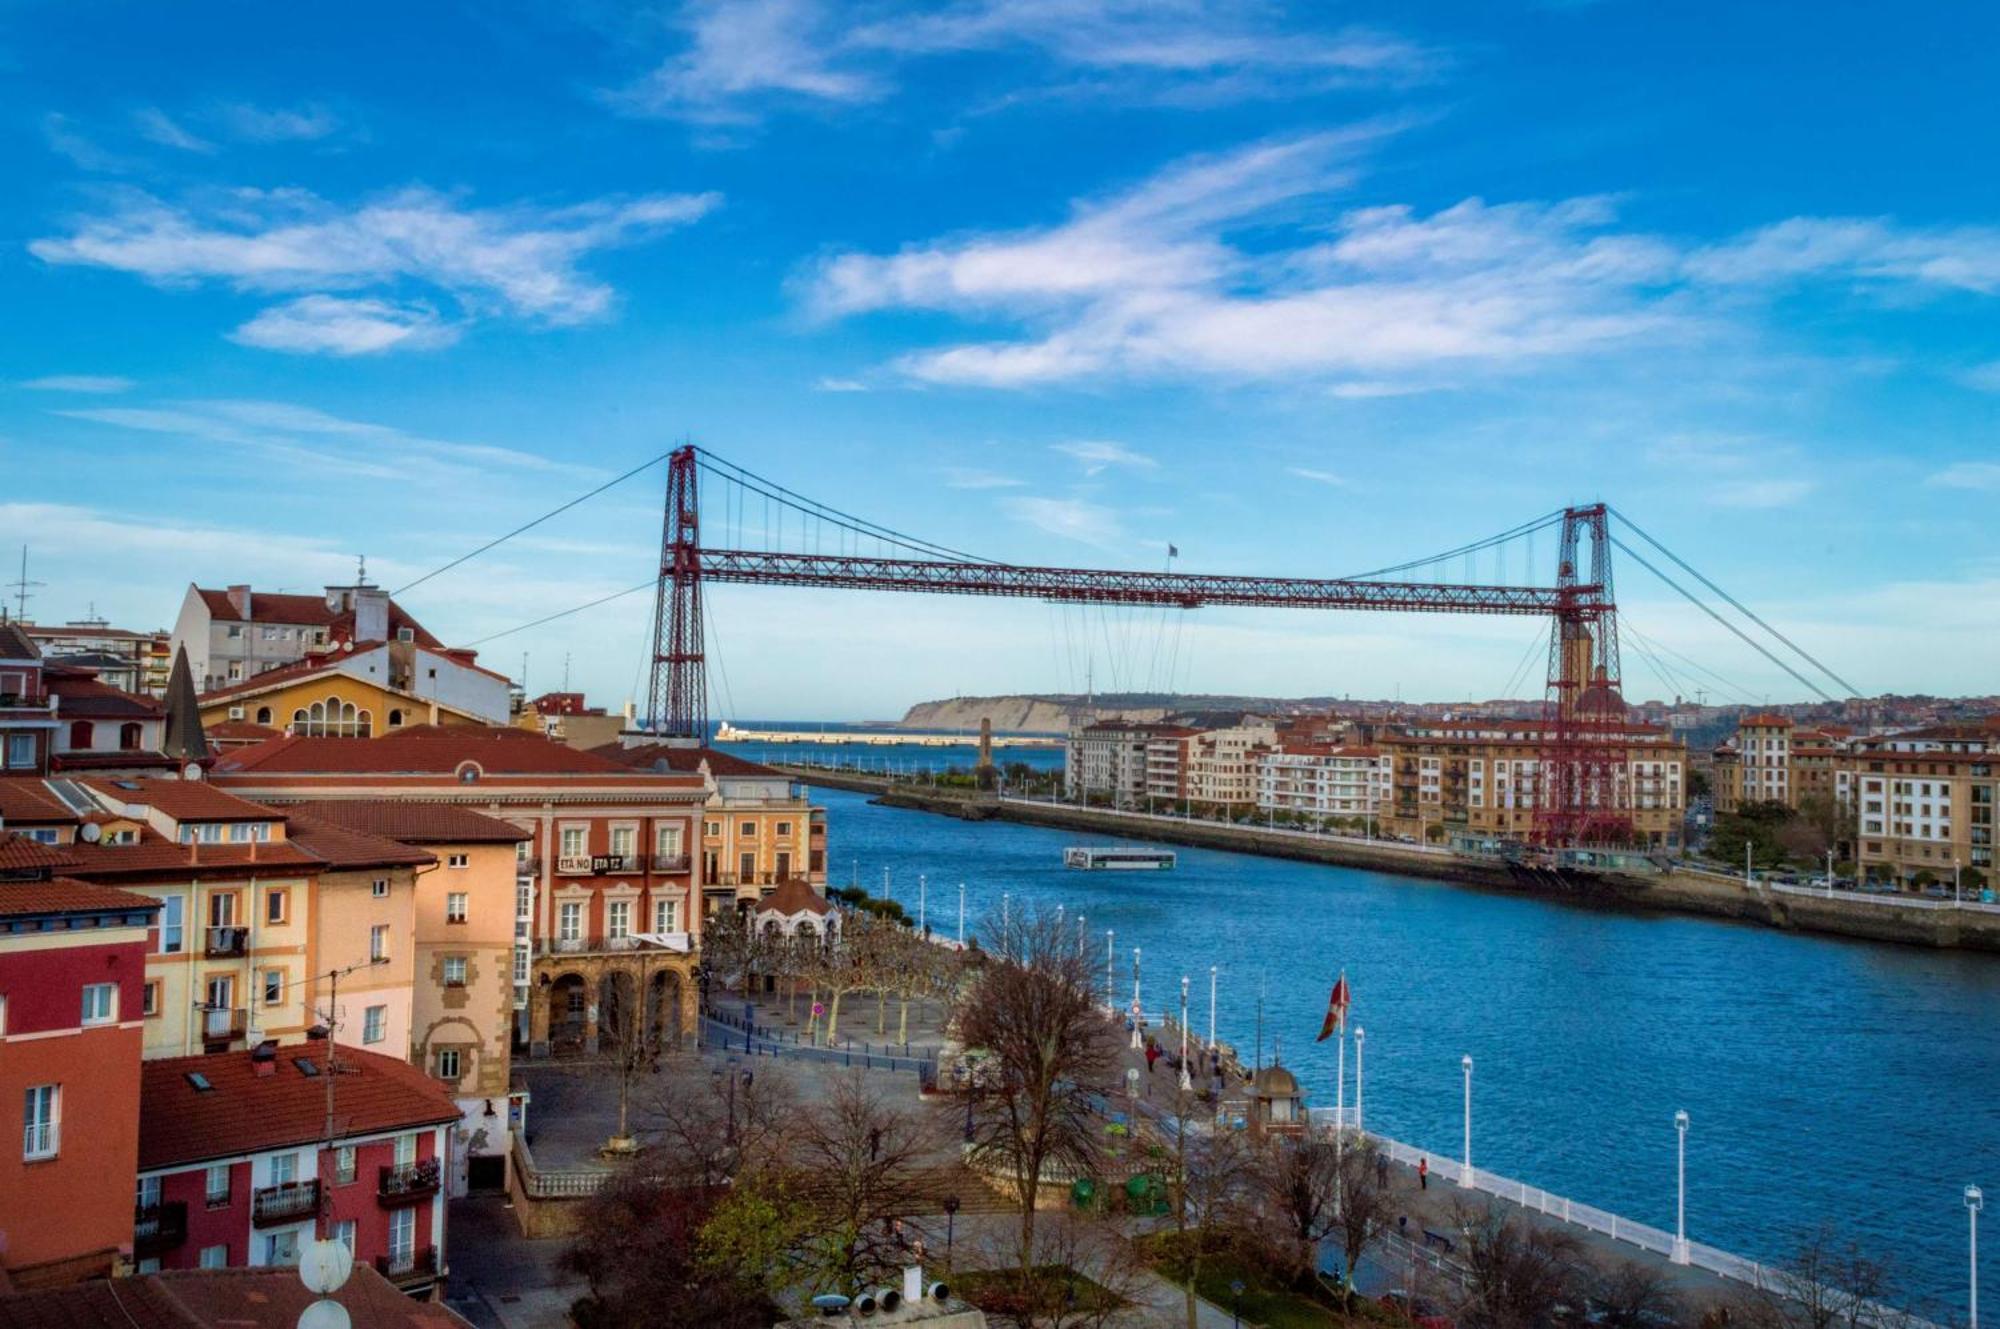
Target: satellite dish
324	1265
91	832
325	1315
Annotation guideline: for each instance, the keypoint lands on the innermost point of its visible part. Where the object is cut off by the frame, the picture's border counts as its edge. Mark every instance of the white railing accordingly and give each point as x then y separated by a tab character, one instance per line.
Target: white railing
1168	818
1898	900
562	1184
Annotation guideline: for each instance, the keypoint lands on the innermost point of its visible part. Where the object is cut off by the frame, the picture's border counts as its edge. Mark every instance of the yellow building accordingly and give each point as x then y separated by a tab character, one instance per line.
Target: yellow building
364	928
353	697
1924	802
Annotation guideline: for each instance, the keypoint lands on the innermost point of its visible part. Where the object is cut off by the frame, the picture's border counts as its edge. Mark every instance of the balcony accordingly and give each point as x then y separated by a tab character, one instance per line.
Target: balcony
527	867
405	1268
158	1228
287	1202
224	1025
573	865
407	1183
225	943
599	945
670	862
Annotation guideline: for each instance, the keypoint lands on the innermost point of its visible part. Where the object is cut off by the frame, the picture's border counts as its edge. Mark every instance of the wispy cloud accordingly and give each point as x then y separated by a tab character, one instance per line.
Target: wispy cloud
66	140
1860	249
329	324
282	124
742	59
1098	456
524	262
1985	377
157	126
91	383
966	477
1316	476
834	383
1734	470
1982	475
1069	519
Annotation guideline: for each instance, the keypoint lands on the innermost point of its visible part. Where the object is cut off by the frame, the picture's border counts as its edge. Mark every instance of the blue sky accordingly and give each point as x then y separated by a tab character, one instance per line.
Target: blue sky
1304	289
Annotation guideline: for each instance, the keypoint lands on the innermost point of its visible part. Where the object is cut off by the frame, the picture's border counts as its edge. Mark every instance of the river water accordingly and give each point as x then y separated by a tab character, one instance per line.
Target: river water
1847	1083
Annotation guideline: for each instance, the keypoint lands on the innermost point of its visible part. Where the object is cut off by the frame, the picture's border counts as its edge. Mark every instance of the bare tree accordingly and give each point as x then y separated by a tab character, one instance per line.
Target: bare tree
1630	1295
1207	1184
1031	1009
1298	1183
860	1161
1517	1272
1365	1202
1830	1283
1085	1275
637	1245
707	1129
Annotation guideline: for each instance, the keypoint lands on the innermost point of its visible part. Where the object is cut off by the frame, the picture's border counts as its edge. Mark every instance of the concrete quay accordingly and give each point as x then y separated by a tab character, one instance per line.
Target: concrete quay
1930	923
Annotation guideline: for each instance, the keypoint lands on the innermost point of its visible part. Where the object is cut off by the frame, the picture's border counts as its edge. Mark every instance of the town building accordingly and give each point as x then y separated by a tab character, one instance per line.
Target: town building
1222	765
567	718
1106	761
72	978
1924	801
103	728
1344	787
27	712
759	827
1169	752
234	634
1763	760
361	690
607	889
236	1167
794	908
124	659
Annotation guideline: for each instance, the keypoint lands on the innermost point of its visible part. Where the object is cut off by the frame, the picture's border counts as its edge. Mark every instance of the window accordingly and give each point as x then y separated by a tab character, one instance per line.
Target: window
80	734
748	830
149	998
221	907
372	1024
282	1248
454	971
455	906
402	1236
215	1188
379	888
378	942
100	1003
406	1150
569	921
343	1165
447	1066
746	867
148	1196
455	860
274	986
524	899
235	630
284	1169
573	843
20	751
624	841
784	872
667	841
277	904
343	1232
784	829
128	736
618	918
263	715
711	828
666	915
173	923
42	1128
395	718
215	1257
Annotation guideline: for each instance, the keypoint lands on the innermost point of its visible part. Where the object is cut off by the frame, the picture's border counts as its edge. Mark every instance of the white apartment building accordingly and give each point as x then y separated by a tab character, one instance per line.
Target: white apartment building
1321	781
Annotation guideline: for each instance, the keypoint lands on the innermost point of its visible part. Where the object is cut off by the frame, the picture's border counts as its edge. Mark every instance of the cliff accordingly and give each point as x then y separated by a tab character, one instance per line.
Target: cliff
1014	715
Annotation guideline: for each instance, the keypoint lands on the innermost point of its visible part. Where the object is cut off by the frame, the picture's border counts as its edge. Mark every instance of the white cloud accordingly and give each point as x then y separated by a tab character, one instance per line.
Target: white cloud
158	127
255	124
66	140
92	383
834	383
1985	377
1734	470
1983	475
325	323
1098	456
1316	476
1759	493
1069	519
963	477
521	261
1367	389
1855	248
744	57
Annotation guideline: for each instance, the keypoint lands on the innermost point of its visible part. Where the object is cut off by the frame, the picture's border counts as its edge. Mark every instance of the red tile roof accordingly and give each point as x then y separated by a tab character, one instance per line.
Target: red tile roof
217	1299
240	731
62	895
794	897
342	848
182	800
1765	720
424	750
308	611
16	644
244	1112
24	798
410	822
650	756
20	854
156	856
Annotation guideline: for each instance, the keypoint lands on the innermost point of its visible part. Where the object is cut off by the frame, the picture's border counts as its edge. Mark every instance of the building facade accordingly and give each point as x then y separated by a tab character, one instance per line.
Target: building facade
235	633
27	711
1924	806
1345	786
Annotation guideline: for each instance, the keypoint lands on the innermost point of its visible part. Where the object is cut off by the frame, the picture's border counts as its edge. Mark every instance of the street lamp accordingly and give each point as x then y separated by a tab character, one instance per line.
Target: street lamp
1681	1187
1360	1037
1137	1009
1975	1200
1211	1010
1132	1107
921	892
1465	1172
961	915
1110	975
1081	935
1187	1081
950	1216
1236	1304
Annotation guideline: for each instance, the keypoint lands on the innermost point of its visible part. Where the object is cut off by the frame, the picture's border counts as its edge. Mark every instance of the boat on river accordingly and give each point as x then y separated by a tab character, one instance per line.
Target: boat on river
1118	859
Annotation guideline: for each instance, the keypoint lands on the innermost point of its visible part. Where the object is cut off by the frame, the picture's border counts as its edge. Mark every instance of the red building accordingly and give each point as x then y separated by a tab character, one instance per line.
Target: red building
235	1165
27	714
72	979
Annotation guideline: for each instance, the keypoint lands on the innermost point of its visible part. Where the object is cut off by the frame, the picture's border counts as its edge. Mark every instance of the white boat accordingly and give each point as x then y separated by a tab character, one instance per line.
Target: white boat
1118	859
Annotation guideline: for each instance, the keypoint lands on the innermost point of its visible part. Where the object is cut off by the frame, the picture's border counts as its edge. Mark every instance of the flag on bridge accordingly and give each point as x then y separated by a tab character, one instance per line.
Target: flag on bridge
1336	1009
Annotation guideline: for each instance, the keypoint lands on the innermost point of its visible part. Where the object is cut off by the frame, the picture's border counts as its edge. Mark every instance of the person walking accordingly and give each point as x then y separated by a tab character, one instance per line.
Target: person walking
1423	1173
1381	1171
1152	1055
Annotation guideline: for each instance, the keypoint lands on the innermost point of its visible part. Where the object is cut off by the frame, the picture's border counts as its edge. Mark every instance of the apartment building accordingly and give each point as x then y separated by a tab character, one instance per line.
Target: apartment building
72	975
27	712
1107	760
1342	785
606	887
1222	765
234	1167
1763	761
358	691
101	728
235	633
1169	757
1923	801
128	660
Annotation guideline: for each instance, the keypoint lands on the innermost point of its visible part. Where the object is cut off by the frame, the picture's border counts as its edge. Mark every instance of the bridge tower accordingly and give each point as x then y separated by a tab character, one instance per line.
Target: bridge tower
1584	710
677	702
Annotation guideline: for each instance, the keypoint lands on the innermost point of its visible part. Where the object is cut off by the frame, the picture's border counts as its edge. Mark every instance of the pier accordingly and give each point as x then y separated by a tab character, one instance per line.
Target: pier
875	738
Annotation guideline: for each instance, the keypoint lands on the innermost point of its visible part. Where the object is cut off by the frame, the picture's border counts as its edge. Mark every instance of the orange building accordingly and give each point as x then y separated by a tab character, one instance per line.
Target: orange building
72	978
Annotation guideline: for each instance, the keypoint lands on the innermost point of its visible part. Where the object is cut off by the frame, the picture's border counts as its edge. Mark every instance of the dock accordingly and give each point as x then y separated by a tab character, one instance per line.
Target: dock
728	733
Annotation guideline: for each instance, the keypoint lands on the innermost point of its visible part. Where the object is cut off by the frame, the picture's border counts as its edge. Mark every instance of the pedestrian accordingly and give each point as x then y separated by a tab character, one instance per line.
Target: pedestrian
1152	1055
1382	1171
1423	1173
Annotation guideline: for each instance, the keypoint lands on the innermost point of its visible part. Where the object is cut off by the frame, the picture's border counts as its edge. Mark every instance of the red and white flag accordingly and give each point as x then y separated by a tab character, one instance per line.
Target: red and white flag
1336	1009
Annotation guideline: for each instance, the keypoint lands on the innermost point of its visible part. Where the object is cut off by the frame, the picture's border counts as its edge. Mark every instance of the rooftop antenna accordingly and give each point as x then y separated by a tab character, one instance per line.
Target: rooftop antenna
565	687
22	589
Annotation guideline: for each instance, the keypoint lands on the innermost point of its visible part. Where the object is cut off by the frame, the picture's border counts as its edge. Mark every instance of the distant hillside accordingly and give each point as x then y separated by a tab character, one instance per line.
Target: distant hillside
1047	713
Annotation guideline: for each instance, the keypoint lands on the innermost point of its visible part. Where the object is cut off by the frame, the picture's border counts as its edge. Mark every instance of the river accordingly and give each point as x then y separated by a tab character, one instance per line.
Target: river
1852	1084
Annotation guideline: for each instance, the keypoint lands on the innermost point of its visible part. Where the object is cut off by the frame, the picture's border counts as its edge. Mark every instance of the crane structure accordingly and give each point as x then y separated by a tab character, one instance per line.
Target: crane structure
1585	737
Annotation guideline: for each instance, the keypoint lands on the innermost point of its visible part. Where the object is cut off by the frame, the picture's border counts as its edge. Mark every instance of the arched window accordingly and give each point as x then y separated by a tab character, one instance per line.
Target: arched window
80	733
363	726
263	715
128	736
395	718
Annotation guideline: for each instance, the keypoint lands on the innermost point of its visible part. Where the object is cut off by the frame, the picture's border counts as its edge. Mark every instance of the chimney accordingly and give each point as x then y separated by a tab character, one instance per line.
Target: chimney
371	614
239	600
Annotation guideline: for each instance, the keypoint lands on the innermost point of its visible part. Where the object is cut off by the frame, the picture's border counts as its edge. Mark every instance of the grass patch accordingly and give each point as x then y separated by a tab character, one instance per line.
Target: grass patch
1264	1301
1004	1292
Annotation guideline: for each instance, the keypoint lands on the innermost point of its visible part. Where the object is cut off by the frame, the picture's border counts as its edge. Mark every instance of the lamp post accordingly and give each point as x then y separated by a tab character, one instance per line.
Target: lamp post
1082	934
961	915
1187	1081
922	891
1006	909
1360	1037
950	1218
1975	1200
1132	1108
1211	1010
1110	974
1465	1172
1236	1304
1681	1187
1137	1009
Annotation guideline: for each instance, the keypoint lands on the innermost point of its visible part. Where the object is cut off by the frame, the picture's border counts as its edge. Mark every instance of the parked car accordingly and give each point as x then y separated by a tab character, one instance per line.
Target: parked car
1419	1311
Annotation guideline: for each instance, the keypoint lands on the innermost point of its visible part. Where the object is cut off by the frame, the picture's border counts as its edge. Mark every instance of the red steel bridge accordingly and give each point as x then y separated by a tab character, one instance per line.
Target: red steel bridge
1586	734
